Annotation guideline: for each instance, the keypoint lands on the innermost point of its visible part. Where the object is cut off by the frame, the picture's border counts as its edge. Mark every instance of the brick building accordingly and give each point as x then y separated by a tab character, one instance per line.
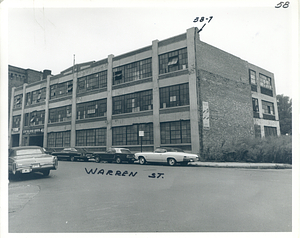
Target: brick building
180	91
18	76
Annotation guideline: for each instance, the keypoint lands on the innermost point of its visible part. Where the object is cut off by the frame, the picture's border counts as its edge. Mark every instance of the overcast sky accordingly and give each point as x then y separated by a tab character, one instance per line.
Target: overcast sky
42	37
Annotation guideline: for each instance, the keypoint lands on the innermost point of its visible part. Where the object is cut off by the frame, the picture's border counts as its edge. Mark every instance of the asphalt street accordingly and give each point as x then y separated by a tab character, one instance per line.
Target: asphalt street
109	197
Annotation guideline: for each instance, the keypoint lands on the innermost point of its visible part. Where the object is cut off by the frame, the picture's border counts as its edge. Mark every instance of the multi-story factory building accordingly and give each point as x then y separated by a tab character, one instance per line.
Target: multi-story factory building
180	92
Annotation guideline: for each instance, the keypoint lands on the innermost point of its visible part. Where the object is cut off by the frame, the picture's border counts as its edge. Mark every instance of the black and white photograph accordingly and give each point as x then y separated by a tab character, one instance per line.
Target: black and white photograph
149	118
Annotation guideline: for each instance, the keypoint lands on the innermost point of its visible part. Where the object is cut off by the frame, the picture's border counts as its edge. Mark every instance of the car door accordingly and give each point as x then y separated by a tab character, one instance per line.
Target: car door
110	154
158	155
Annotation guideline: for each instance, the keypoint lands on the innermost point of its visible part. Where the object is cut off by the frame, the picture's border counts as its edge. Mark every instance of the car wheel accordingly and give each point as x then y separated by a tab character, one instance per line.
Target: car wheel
46	172
142	160
171	162
97	159
72	158
118	160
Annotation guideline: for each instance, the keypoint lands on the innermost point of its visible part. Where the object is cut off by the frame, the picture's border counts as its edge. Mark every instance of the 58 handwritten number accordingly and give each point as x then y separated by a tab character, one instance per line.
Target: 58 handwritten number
285	5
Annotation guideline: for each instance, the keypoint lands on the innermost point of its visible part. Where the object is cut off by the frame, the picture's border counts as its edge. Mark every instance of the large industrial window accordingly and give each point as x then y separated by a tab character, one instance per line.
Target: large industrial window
60	114
173	61
92	109
91	137
176	132
61	89
270	131
36	96
129	135
268	107
133	71
134	102
18	101
93	81
34	118
177	95
59	139
265	81
268	110
16	121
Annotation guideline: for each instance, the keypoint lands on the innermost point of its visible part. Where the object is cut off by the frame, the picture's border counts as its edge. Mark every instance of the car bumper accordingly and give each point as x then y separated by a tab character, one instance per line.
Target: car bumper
32	169
189	160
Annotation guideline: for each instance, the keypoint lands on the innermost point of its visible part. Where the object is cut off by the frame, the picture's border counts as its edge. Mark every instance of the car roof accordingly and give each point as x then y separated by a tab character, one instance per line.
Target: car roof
26	147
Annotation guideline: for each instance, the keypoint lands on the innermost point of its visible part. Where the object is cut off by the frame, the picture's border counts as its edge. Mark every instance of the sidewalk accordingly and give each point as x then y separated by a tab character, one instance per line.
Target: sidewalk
241	165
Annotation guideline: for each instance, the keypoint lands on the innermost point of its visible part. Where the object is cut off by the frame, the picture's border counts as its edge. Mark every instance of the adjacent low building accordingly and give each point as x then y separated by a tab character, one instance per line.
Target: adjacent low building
178	92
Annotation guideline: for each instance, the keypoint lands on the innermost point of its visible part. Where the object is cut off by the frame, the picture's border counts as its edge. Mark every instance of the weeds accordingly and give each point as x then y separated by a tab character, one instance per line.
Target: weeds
254	150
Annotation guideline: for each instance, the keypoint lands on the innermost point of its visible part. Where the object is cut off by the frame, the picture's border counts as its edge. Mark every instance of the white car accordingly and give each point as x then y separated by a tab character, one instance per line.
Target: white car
171	156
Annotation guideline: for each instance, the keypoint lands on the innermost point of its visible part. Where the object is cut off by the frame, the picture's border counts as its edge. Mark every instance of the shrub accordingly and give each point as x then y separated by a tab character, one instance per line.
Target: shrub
255	150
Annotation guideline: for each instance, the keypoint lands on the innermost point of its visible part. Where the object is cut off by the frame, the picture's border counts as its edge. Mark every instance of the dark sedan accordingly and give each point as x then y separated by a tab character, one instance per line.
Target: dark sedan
73	154
114	154
29	159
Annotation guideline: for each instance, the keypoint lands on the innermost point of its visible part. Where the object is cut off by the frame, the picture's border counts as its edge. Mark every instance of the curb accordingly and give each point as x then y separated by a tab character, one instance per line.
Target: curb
242	165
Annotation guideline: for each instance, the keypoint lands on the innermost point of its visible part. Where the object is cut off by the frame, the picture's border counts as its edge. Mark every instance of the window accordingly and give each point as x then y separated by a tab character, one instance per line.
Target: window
268	107
16	121
270	131
60	114
61	89
255	107
92	109
257	131
134	102
59	139
129	135
18	101
91	137
133	71
173	61
175	132
91	82
36	96
252	77
34	118
173	96
265	81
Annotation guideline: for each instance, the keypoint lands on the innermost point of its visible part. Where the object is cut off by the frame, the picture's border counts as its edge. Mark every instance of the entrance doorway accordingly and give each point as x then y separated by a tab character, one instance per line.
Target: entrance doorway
15	140
36	140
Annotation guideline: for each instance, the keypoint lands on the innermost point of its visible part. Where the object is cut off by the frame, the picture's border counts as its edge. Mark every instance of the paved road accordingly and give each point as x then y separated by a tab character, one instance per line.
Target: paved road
122	197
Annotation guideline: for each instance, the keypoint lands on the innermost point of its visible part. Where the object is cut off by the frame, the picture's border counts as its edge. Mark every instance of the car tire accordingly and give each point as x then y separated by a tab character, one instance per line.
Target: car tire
46	172
171	162
118	160
72	159
97	159
142	160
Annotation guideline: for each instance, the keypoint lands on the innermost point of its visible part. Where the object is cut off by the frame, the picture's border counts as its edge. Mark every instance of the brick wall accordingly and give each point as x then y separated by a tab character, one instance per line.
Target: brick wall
230	109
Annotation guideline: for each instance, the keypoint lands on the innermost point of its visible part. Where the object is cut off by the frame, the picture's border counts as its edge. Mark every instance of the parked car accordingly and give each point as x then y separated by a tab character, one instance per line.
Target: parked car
114	154
73	154
29	159
171	156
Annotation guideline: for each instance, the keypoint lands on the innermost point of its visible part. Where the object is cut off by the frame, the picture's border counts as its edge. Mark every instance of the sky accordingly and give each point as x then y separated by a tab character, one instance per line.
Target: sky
42	36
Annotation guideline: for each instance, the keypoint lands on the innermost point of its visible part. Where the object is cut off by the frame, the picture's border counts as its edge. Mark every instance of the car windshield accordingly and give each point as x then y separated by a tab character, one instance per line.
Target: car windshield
29	152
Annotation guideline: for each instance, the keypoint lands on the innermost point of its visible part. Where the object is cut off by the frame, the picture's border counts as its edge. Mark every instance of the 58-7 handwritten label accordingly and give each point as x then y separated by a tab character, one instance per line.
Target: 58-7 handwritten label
203	19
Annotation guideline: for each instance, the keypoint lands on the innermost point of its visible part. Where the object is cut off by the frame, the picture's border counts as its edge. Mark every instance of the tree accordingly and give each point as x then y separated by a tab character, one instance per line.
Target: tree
284	104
